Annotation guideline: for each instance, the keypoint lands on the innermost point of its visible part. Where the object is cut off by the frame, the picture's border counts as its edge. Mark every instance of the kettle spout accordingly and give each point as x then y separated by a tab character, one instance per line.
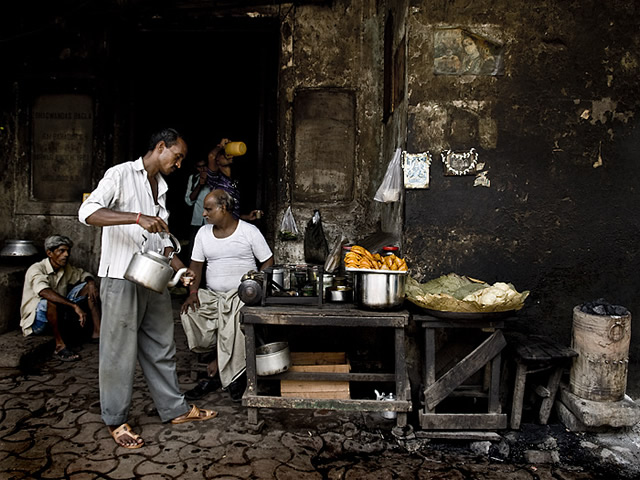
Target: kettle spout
176	277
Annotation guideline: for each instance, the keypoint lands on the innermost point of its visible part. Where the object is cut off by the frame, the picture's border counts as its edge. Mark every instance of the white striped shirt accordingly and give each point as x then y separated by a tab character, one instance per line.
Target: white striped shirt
125	188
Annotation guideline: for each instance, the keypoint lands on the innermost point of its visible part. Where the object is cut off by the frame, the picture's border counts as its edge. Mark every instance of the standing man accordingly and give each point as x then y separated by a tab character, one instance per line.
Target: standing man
197	189
52	289
130	204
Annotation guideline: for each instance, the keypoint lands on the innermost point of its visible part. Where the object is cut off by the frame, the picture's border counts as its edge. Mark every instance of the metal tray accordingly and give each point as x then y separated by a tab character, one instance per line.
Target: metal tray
467	315
371	270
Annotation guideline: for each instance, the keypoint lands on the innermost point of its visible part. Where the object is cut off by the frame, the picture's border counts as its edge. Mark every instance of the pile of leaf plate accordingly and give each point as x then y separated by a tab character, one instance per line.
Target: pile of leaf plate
457	293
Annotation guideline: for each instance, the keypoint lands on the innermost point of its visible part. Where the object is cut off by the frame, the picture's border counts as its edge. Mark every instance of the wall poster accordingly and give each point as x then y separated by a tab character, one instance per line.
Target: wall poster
458	52
416	168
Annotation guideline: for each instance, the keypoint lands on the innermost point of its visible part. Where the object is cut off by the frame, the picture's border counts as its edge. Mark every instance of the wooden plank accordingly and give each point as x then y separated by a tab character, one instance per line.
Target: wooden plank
317	362
468	366
477	436
328	376
463	421
518	395
318	358
264	401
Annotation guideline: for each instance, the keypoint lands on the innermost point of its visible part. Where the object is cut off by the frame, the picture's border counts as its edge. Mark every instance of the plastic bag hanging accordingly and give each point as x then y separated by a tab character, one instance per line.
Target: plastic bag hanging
315	243
288	228
391	186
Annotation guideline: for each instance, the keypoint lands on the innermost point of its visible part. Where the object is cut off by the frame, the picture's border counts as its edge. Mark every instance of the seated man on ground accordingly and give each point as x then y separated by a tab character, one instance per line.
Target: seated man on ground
56	293
211	315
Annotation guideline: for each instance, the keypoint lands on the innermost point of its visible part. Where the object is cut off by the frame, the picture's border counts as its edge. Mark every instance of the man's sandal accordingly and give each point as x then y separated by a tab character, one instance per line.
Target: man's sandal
125	430
195	415
66	355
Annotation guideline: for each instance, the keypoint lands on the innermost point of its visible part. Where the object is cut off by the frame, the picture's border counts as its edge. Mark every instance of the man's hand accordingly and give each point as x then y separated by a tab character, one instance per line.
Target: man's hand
92	290
188	277
153	224
81	314
192	302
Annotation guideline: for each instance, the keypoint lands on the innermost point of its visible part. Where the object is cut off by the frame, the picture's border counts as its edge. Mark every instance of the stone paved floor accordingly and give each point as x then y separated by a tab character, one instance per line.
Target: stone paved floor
50	428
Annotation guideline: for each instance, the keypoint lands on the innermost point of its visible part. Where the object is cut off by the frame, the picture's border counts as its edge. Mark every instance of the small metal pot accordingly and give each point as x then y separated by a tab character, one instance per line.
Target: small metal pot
272	358
339	293
250	290
380	290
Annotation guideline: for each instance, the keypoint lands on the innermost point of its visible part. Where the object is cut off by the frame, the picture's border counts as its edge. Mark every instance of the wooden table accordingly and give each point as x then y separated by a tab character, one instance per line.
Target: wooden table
490	343
323	316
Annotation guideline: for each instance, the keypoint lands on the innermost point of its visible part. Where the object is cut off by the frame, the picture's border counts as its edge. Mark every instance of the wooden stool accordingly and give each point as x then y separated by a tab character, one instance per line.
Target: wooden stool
536	353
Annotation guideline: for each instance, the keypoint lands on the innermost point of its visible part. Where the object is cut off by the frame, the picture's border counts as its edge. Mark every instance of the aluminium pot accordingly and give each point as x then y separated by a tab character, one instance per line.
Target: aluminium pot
380	289
272	358
153	270
18	248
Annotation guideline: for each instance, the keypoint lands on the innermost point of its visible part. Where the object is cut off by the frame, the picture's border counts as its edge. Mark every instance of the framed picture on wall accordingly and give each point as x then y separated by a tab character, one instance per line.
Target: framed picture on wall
459	163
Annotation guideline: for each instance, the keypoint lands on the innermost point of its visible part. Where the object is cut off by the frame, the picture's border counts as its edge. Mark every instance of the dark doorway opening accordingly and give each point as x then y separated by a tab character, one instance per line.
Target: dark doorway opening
209	84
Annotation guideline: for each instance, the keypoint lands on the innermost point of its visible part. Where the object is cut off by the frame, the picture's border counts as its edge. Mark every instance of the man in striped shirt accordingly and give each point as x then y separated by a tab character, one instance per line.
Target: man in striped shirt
129	204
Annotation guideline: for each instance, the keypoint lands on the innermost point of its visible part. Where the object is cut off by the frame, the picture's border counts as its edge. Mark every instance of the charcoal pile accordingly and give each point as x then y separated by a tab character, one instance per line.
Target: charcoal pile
602	307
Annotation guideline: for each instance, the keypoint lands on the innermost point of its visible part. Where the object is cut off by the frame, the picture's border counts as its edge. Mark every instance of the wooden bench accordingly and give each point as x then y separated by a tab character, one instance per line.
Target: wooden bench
532	354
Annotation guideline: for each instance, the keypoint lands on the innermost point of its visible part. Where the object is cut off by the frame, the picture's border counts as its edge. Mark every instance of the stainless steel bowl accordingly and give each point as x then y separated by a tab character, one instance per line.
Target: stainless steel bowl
339	293
18	248
380	290
272	358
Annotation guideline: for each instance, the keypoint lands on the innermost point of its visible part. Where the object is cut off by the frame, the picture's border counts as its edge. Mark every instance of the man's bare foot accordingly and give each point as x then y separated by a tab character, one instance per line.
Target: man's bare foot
124	436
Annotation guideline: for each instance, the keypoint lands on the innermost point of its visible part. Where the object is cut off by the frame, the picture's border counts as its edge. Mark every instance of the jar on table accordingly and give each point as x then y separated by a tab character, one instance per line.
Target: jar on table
390	250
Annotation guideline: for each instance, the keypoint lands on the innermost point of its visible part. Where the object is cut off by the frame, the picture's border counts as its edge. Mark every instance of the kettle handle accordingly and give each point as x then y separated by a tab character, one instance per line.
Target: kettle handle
174	240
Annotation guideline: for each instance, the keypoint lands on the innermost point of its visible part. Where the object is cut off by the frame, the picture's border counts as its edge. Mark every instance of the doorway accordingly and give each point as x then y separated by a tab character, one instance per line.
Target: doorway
209	84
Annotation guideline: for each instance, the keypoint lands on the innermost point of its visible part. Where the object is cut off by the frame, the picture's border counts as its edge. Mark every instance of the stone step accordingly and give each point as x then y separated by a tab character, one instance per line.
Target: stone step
18	351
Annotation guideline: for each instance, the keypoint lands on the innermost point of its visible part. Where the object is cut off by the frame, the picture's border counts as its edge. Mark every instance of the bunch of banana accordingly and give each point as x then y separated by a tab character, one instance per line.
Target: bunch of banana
360	257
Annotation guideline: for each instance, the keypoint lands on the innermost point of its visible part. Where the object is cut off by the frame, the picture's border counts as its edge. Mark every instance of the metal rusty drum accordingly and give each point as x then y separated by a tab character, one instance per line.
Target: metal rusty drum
599	372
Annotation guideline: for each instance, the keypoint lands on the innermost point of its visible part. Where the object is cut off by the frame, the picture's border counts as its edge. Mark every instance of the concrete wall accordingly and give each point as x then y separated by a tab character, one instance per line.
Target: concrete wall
558	132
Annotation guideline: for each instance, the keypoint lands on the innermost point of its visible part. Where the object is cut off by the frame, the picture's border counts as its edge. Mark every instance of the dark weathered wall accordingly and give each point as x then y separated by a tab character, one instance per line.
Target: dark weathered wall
332	47
559	135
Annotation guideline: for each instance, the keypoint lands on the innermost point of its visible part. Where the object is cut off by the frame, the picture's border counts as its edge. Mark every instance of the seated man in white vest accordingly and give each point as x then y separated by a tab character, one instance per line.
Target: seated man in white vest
210	316
54	294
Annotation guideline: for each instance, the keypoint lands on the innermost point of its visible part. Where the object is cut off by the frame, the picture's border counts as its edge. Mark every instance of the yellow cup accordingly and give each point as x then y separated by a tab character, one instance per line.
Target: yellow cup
235	149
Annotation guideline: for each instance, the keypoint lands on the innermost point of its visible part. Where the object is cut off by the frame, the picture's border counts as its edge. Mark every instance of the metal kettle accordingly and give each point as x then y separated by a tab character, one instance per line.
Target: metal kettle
250	289
153	270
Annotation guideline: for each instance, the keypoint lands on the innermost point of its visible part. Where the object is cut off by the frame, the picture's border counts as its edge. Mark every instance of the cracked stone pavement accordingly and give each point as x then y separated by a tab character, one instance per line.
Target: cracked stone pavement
50	428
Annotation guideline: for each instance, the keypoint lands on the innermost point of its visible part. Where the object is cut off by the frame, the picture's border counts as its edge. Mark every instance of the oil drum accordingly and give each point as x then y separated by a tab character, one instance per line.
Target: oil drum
599	372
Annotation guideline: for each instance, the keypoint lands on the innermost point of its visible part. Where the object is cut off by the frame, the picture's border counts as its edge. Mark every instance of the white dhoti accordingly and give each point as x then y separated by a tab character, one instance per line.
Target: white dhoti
216	325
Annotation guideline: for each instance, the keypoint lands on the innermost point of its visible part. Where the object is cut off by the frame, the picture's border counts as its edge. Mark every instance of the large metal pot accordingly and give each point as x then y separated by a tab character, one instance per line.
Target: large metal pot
272	358
18	248
379	289
153	270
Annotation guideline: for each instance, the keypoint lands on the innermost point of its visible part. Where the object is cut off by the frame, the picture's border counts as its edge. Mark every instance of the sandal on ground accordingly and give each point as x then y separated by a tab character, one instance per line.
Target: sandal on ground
204	386
125	430
66	355
195	415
